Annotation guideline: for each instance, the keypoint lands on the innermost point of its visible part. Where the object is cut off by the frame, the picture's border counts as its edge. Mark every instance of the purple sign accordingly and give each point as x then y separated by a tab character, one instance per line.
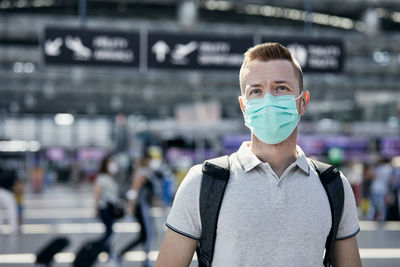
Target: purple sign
390	146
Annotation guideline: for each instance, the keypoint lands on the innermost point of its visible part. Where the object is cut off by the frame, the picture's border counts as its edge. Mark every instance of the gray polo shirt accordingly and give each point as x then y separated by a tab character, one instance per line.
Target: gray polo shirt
264	220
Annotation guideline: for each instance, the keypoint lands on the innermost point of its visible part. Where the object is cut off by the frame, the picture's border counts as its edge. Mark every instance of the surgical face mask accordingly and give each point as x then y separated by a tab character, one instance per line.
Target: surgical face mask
272	119
112	168
155	164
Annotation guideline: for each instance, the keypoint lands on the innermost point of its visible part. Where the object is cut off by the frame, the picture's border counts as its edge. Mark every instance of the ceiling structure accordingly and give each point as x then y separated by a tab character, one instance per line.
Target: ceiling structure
372	65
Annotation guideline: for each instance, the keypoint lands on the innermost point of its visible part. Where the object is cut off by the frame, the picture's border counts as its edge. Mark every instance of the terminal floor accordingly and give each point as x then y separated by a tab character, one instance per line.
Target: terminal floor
65	210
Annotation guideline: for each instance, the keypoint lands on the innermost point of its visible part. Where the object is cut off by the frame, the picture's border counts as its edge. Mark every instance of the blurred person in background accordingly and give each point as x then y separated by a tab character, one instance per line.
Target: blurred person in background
275	211
379	190
368	177
140	198
354	175
50	176
169	185
19	199
75	173
106	191
37	176
7	200
393	199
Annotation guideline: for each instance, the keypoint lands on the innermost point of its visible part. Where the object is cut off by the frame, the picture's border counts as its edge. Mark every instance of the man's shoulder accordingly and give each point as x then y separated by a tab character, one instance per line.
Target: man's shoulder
194	176
195	173
345	182
342	176
192	179
195	170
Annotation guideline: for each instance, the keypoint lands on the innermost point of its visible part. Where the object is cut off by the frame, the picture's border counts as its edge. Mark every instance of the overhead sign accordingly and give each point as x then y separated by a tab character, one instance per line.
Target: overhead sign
177	51
196	51
87	47
318	55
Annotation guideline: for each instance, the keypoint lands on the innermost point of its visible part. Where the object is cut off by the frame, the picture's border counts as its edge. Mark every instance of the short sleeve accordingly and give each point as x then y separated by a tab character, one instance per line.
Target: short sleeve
349	224
101	180
184	217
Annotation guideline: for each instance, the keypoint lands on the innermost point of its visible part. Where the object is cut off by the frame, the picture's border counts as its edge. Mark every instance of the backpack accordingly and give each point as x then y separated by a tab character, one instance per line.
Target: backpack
216	174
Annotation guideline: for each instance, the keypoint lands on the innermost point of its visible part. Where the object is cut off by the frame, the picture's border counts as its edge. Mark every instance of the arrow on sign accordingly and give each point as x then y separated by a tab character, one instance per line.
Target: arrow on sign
182	50
161	49
52	47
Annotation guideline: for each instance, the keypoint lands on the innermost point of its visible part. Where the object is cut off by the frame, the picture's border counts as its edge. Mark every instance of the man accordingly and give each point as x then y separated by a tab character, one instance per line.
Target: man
275	211
7	200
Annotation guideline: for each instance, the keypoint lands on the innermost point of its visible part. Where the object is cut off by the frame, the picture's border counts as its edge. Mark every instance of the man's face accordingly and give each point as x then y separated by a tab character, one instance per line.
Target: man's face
276	77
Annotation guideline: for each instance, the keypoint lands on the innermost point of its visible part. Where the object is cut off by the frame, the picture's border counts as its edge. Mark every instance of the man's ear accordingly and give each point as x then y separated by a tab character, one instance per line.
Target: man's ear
304	102
242	105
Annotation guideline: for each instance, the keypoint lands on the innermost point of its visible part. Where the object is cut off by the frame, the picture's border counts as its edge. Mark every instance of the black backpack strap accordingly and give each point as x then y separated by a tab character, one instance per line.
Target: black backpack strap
332	182
215	178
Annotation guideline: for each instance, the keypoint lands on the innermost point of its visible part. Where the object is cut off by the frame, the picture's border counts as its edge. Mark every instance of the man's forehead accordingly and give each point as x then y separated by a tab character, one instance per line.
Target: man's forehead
273	70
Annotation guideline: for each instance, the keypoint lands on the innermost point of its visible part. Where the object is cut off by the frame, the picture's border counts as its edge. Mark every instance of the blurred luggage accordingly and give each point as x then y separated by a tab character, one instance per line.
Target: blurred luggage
88	253
45	256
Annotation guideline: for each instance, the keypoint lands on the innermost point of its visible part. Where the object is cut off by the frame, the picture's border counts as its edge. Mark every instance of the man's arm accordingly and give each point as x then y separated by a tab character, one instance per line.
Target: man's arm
346	254
176	250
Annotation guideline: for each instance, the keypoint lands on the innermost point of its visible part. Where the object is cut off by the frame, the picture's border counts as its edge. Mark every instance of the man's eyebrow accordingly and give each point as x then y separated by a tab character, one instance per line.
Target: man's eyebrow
282	81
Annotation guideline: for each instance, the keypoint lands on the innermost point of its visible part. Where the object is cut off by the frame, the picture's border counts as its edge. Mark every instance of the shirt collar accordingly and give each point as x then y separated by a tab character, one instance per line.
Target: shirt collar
301	161
247	158
249	161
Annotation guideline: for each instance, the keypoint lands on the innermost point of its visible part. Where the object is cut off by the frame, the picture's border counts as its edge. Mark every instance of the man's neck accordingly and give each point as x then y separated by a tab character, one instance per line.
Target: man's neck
279	156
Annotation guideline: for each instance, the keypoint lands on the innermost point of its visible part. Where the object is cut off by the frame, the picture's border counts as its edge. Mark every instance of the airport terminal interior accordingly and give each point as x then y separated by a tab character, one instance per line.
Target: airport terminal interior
84	80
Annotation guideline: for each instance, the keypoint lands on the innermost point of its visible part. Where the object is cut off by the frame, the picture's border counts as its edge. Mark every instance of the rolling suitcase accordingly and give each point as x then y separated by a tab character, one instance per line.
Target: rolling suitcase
45	256
88	253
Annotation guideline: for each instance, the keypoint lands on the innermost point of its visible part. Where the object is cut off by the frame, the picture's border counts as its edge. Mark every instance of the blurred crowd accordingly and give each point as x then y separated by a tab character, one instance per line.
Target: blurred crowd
41	173
123	186
376	188
375	184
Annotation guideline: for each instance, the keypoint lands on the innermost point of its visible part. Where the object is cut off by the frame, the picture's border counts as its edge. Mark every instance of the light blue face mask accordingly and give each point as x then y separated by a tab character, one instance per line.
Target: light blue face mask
272	119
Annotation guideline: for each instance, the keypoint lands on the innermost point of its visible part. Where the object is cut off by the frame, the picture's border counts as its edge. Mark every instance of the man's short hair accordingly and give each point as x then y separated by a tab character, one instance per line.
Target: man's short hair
267	52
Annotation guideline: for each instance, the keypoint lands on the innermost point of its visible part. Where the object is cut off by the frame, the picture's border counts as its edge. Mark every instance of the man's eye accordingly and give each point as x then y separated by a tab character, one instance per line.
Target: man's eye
255	91
281	88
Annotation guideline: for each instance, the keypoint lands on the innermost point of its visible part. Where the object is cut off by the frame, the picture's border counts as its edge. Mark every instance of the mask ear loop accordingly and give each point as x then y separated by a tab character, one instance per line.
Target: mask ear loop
307	96
299	96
